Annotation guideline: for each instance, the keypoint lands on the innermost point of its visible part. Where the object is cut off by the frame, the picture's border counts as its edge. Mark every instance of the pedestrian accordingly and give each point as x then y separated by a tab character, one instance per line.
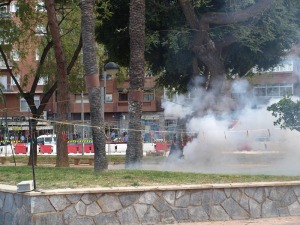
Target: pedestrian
22	138
112	135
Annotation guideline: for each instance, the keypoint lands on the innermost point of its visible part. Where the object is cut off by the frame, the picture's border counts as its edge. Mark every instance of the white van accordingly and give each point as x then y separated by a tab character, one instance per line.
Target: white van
46	139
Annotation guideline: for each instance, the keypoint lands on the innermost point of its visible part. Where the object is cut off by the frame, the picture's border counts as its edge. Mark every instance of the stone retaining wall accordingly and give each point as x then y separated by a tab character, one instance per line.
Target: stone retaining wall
149	205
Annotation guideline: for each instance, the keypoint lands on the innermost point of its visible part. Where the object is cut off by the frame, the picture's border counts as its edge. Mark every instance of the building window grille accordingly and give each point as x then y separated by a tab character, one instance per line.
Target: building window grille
108	98
123	96
148	96
43	80
4	13
18	78
85	98
277	90
24	106
3	81
15	55
14	7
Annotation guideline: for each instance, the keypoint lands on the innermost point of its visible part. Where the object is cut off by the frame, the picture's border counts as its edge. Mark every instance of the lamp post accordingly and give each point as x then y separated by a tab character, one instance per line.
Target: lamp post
110	68
82	121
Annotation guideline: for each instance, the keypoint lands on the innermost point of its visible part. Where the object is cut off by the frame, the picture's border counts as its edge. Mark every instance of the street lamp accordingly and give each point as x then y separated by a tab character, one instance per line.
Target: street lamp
110	68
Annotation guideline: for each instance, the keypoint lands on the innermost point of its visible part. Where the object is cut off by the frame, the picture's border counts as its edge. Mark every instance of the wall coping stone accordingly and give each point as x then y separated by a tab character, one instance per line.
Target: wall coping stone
13	189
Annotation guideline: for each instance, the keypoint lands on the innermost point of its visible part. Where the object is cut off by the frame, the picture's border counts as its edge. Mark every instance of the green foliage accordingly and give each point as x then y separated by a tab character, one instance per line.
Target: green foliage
287	113
22	36
261	41
264	42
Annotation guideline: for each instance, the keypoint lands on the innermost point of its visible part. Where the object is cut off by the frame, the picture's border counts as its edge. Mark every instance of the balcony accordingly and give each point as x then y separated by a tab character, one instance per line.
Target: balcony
3	66
5	15
122	106
149	106
9	88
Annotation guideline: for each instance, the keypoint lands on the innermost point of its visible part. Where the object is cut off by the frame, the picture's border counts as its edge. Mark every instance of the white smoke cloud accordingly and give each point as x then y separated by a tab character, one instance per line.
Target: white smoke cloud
252	145
177	107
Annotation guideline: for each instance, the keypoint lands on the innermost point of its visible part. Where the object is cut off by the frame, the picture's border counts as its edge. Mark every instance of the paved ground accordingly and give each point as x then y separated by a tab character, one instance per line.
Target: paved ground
269	221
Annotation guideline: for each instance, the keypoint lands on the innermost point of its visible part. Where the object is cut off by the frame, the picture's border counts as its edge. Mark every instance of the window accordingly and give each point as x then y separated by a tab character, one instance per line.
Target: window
273	91
286	66
108	98
3	10
276	90
37	55
148	96
108	77
85	98
43	80
14	7
40	7
123	96
2	64
3	81
4	13
24	106
15	55
12	82
170	123
286	91
40	30
260	91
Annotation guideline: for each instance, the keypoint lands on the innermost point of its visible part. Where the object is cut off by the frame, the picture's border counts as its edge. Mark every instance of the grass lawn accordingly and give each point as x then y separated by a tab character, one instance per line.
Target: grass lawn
51	159
53	177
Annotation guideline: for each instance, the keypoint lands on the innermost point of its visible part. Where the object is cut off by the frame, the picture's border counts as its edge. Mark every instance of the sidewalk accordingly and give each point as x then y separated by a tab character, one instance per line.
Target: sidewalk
266	221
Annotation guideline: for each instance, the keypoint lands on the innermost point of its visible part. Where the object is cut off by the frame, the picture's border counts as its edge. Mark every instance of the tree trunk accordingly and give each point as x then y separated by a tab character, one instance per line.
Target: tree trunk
93	83
33	141
205	49
134	152
62	159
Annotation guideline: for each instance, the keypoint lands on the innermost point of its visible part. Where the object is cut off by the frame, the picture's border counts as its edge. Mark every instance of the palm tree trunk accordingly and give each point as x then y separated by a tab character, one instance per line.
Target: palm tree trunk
134	152
93	83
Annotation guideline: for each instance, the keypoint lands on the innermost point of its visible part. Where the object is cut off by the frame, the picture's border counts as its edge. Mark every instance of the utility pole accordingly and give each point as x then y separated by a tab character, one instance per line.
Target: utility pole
82	121
32	154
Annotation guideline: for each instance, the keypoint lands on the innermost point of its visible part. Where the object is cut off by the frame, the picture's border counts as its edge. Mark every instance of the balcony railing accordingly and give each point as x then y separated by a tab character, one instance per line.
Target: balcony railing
149	106
5	15
8	88
3	66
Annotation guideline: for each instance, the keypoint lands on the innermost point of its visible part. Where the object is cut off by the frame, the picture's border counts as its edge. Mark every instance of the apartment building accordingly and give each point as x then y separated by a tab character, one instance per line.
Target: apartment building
115	107
275	83
14	109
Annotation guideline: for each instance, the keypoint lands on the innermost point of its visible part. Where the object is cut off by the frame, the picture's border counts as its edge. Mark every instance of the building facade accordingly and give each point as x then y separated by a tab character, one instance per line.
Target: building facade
280	81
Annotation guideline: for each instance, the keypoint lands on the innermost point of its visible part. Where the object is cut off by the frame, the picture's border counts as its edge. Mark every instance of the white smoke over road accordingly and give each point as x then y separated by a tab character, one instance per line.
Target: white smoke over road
246	142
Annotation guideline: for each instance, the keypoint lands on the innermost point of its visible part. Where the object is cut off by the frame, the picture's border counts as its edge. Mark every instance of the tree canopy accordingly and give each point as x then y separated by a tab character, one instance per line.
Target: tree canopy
30	37
287	113
210	38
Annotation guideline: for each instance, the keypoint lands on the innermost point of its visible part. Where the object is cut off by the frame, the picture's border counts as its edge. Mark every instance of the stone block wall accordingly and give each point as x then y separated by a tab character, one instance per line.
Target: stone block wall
14	208
151	205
